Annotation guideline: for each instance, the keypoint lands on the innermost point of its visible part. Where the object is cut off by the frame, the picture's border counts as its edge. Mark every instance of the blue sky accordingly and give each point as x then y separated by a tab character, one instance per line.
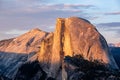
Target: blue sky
19	16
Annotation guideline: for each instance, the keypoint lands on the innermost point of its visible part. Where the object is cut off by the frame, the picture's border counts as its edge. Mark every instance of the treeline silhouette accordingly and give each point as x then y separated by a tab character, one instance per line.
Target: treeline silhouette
31	71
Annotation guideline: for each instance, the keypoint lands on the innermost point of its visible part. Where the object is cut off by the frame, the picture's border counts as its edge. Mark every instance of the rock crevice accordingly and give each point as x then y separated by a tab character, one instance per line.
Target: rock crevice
75	36
72	36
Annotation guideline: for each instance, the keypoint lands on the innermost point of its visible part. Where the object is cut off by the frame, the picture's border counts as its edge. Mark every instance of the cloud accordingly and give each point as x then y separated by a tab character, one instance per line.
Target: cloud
43	15
15	32
111	24
11	33
113	28
21	8
113	13
27	14
34	1
78	6
6	36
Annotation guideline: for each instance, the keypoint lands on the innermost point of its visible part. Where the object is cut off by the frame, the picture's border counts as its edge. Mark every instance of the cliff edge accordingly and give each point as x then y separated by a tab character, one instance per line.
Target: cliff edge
74	36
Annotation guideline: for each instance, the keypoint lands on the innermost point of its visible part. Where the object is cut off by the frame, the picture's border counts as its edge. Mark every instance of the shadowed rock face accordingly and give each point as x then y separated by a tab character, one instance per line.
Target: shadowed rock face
30	71
72	36
13	52
44	56
77	68
75	36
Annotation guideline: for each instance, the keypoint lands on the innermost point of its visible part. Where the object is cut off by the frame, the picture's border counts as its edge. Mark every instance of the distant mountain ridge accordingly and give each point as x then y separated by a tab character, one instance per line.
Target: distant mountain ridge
14	52
116	54
26	43
72	36
114	44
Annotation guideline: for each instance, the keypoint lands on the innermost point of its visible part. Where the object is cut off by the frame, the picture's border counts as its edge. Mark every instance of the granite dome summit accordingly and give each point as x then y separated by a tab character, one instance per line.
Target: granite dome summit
72	36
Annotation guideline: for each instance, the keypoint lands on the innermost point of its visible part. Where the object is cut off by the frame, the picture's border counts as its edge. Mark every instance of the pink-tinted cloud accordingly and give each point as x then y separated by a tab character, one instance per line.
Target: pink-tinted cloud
110	27
27	16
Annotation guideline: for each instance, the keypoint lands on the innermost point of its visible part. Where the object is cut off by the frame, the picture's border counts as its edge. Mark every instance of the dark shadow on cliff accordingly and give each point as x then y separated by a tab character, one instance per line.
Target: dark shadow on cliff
78	68
9	62
116	54
15	66
30	71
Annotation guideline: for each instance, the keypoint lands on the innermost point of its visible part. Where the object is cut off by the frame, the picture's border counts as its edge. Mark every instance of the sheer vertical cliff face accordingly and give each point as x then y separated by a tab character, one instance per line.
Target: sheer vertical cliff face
44	55
74	36
84	39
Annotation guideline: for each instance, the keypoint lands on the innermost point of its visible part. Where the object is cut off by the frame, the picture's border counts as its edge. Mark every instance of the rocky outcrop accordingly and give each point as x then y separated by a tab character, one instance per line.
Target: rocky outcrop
4	44
75	36
78	36
89	71
72	36
9	62
30	71
44	56
116	54
24	44
14	52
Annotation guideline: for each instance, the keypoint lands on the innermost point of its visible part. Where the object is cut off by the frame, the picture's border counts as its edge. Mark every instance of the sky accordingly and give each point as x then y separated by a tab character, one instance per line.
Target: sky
20	16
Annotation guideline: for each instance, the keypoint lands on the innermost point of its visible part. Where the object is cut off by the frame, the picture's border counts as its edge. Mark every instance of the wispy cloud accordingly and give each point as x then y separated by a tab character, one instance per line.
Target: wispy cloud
6	36
11	33
78	6
111	24
15	32
22	15
34	1
110	30
46	7
113	13
112	27
25	15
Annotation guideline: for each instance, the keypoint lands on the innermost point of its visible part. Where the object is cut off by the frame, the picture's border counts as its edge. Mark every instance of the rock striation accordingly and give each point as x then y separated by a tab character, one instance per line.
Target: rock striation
14	52
74	36
25	44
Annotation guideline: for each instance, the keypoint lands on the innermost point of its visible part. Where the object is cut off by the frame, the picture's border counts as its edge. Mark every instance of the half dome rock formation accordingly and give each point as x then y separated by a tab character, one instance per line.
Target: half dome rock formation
74	36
